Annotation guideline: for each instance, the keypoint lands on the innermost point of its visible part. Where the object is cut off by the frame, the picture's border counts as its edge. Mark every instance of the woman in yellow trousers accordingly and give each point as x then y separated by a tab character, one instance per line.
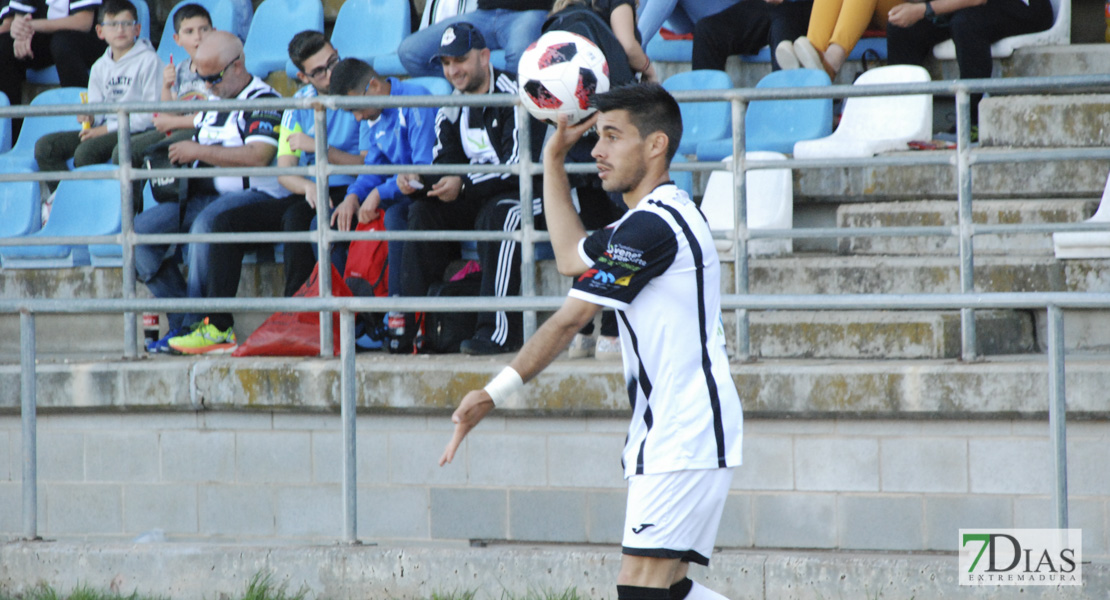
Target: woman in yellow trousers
834	28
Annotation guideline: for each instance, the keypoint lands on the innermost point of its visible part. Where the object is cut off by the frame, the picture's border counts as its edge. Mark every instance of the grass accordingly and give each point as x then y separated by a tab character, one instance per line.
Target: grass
261	587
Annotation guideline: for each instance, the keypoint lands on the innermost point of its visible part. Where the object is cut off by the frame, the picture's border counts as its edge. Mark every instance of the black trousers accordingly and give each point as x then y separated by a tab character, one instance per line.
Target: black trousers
972	30
745	27
225	261
72	52
299	257
424	263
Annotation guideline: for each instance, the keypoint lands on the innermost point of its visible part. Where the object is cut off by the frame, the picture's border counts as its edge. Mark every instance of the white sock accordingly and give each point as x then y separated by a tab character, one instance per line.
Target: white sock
700	592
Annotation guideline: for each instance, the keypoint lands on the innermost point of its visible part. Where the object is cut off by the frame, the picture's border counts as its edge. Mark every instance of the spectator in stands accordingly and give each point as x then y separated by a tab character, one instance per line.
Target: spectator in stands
35	34
239	138
129	71
745	28
191	23
973	25
835	26
508	24
485	201
316	60
611	25
392	136
679	15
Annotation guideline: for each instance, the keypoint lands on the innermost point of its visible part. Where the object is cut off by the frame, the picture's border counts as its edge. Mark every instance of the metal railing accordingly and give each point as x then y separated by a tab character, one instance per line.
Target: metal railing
741	301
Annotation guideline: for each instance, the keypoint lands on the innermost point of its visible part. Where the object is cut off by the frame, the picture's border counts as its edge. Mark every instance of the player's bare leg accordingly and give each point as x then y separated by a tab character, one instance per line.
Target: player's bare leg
639	572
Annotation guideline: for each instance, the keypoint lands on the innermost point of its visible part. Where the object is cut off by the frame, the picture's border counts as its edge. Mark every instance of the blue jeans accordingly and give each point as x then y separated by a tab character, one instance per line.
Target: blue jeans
511	30
681	15
155	265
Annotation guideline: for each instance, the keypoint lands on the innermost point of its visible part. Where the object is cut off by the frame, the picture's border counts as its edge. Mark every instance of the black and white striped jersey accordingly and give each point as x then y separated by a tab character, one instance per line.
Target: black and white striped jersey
47	9
239	128
658	267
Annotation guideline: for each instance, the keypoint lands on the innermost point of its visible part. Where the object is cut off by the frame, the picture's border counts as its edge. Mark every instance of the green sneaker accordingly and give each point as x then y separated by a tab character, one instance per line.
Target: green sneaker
206	339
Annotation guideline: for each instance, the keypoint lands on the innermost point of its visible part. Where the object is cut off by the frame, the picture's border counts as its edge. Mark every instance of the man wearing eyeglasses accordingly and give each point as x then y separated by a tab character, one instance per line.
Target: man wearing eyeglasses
315	59
239	138
35	34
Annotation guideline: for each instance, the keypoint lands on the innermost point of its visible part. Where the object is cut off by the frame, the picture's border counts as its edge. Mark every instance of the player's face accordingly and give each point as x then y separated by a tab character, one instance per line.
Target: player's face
192	32
620	152
468	73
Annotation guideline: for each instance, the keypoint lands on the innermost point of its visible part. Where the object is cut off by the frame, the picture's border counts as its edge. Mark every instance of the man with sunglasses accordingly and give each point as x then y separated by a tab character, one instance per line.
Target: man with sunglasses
239	138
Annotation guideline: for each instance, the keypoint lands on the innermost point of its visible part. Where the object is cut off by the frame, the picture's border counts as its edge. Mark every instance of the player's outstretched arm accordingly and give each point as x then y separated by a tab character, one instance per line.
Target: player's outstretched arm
541	349
563	222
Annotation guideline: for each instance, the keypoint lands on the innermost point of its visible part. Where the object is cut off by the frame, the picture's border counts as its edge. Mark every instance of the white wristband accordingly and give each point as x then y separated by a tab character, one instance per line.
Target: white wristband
503	387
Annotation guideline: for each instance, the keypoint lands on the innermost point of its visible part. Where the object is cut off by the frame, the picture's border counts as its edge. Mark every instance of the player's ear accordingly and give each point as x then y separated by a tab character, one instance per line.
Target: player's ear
657	144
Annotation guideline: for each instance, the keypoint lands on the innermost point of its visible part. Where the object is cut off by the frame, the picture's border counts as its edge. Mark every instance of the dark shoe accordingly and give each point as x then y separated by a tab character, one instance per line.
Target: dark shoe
477	346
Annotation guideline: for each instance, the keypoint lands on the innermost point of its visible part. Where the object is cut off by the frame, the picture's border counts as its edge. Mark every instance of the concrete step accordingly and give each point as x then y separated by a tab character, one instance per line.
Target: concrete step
886	334
1005	181
944	213
1045	121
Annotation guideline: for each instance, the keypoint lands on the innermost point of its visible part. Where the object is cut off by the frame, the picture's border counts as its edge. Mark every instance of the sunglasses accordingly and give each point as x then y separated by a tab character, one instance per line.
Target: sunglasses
218	77
319	72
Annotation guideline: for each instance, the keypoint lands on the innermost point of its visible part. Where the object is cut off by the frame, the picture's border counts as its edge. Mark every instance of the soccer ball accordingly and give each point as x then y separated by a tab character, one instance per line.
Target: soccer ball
558	74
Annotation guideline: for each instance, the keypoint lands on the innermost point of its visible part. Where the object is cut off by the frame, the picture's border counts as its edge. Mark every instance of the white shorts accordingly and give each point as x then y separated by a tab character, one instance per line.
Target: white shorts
675	514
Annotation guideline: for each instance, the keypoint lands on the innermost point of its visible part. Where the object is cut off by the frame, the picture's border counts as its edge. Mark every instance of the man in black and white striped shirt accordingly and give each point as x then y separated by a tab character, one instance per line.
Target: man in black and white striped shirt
658	267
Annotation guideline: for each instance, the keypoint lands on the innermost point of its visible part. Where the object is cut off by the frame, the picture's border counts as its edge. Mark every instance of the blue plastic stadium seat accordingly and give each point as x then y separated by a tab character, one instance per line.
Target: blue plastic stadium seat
372	30
776	125
22	155
90	207
661	50
274	24
223	18
19	206
683	179
702	121
5	126
436	85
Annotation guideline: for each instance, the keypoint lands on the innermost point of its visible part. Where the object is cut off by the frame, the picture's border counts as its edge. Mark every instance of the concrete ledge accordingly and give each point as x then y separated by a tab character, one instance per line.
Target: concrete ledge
213	571
948	389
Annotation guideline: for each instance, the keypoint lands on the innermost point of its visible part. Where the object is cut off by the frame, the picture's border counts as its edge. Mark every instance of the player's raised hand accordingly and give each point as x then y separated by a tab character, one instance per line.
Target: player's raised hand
566	136
475	406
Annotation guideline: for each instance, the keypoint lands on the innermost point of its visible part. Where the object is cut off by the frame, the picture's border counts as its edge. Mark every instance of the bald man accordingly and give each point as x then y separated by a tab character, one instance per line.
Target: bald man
240	138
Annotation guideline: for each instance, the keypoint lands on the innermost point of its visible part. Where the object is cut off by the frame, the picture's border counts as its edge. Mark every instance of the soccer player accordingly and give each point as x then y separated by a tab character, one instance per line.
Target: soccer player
658	267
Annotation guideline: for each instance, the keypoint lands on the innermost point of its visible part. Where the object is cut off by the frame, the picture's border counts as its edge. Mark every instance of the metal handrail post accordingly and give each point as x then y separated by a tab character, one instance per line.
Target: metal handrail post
740	231
1057	414
323	227
127	229
29	421
964	197
527	222
348	399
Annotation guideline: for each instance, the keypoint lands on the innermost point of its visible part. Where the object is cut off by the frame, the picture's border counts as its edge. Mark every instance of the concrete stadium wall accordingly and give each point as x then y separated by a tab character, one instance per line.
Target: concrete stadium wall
274	477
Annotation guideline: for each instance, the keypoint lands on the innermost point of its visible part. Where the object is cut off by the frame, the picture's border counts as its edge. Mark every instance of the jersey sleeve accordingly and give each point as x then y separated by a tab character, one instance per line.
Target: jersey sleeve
624	260
289	126
262	126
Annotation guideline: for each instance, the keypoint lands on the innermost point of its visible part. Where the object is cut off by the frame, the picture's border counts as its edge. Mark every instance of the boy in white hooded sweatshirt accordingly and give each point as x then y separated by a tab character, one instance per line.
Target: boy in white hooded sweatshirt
129	71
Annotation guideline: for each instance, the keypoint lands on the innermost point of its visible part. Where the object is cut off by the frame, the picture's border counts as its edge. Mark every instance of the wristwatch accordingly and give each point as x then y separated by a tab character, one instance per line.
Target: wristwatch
930	13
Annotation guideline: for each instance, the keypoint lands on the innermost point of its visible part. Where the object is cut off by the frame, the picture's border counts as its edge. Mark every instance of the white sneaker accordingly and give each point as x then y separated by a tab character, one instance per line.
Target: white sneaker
807	54
47	206
784	55
608	347
582	346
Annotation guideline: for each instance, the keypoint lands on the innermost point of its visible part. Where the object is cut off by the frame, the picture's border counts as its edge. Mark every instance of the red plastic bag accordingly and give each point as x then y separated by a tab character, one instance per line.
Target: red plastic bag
295	334
369	259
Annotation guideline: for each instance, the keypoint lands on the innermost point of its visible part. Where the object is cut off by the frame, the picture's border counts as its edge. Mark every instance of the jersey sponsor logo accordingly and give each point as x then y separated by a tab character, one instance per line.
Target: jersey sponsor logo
596	275
260	127
624	281
605	259
625	254
642	527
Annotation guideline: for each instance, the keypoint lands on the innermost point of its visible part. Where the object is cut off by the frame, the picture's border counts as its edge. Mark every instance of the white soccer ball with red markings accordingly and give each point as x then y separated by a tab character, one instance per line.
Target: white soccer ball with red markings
558	74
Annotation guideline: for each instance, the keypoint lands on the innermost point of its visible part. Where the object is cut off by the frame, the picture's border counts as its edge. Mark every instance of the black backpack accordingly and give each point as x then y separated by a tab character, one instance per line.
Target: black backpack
445	331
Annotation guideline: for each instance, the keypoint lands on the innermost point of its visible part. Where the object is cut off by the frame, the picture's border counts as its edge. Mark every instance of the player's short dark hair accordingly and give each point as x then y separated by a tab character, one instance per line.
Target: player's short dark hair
650	108
189	11
115	7
350	74
304	45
